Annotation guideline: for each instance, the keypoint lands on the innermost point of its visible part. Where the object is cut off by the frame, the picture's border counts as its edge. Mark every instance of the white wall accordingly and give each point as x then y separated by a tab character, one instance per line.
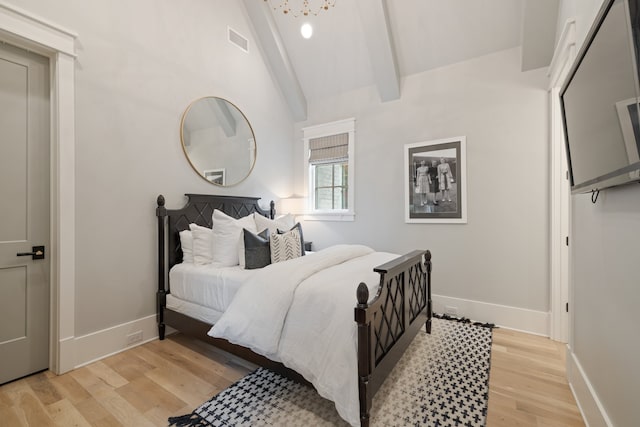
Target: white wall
605	339
139	66
584	12
501	255
604	342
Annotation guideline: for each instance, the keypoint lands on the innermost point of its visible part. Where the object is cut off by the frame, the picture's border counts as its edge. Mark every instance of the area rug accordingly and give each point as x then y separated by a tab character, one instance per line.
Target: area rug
441	380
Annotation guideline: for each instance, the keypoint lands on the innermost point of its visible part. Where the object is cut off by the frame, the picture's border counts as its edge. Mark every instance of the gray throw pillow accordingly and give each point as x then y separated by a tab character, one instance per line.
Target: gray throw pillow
257	253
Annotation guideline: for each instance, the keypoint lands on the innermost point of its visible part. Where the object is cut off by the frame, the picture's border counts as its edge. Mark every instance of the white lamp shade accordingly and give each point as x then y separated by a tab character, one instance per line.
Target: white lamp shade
292	205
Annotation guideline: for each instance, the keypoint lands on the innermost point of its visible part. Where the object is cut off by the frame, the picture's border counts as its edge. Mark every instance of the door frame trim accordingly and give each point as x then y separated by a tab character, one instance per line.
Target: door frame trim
23	29
562	60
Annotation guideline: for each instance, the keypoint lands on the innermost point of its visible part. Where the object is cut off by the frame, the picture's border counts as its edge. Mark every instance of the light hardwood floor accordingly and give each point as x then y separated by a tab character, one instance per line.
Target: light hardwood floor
145	385
527	383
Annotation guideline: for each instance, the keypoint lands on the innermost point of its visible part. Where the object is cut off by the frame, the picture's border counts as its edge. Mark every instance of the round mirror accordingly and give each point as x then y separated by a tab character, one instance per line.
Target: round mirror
218	141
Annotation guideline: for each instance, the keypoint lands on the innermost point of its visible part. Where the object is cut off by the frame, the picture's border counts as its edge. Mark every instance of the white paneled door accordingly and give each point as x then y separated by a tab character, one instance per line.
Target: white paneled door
24	213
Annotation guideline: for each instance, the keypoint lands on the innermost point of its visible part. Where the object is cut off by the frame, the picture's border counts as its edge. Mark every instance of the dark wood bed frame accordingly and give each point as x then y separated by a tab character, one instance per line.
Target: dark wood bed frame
386	325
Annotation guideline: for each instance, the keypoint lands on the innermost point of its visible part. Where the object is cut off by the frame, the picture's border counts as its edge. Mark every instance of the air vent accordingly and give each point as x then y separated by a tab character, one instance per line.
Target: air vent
238	39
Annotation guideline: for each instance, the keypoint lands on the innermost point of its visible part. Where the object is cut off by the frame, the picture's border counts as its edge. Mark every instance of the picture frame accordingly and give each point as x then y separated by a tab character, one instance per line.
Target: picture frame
215	176
435	183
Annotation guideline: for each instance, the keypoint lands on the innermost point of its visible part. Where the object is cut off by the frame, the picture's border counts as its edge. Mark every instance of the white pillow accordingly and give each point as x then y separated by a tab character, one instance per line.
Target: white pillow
283	222
202	244
186	243
227	233
285	246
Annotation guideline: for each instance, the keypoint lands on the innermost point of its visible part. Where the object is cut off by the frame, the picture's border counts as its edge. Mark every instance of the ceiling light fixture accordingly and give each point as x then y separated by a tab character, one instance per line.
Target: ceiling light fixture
303	7
306	30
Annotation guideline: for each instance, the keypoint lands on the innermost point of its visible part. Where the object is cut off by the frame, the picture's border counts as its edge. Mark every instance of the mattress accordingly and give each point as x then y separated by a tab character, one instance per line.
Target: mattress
207	285
193	310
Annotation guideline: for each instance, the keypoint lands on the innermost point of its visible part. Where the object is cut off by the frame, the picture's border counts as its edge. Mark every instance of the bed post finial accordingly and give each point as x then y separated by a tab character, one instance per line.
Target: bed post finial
427	262
362	294
160	200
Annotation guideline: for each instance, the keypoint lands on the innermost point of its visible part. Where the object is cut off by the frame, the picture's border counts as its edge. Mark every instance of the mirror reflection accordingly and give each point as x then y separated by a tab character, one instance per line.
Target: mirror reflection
218	141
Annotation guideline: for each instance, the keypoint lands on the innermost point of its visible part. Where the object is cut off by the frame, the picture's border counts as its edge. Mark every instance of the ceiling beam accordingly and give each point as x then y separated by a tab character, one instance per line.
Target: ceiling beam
270	42
539	22
377	30
223	115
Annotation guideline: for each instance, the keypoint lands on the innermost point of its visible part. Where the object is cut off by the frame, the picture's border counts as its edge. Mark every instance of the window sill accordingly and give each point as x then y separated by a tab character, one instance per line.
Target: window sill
330	216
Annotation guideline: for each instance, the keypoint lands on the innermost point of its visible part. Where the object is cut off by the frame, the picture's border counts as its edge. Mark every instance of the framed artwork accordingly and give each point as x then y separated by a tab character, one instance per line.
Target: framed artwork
436	181
216	176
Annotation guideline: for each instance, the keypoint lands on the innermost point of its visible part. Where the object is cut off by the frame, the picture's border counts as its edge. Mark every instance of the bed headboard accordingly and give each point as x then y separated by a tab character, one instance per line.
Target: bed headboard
199	210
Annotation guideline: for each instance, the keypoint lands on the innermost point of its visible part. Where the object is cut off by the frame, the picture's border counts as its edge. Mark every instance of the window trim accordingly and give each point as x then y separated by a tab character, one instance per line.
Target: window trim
333	128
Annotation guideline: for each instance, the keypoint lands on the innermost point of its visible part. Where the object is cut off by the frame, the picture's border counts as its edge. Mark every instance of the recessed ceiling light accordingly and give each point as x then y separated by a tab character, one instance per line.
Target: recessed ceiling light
306	30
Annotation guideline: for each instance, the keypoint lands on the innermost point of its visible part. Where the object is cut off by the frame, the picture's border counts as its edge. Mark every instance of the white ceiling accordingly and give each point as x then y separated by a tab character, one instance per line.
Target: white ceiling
361	43
335	58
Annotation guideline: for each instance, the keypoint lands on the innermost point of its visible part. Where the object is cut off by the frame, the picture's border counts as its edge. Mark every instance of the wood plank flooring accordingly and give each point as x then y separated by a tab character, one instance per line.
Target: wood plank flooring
145	385
527	383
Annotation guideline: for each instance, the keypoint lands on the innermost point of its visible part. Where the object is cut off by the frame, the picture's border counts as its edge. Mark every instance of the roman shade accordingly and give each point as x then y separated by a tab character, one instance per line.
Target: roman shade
329	149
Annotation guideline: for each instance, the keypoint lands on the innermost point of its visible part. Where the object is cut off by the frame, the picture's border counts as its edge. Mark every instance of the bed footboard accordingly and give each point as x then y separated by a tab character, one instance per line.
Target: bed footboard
388	324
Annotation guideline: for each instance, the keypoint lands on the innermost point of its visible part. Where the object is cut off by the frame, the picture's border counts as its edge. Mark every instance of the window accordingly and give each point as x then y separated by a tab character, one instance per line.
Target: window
329	155
331	186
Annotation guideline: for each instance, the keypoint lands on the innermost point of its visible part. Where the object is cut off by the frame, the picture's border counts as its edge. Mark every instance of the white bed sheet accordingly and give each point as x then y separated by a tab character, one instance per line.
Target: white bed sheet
207	285
193	310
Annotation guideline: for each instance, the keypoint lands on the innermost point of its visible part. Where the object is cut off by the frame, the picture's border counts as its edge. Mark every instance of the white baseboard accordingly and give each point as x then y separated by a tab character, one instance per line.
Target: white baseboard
66	348
520	319
100	344
593	412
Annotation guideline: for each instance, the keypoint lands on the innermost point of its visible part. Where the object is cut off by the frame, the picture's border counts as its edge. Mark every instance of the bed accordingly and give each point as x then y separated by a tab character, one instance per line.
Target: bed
389	307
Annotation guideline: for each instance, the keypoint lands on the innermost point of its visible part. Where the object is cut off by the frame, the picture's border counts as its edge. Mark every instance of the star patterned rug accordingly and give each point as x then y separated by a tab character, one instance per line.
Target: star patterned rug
442	380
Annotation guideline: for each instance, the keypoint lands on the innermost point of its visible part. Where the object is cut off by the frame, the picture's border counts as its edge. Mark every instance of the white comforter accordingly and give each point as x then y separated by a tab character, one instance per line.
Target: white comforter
300	312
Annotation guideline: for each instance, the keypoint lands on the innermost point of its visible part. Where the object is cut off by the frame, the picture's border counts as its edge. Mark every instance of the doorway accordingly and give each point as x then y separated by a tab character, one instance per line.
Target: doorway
561	63
21	28
25	212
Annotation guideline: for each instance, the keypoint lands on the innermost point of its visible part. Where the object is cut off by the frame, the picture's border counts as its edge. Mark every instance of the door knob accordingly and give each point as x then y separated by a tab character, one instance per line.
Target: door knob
37	252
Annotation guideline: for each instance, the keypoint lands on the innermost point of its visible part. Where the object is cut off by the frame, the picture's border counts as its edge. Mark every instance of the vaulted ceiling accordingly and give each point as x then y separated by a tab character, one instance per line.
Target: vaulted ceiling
361	43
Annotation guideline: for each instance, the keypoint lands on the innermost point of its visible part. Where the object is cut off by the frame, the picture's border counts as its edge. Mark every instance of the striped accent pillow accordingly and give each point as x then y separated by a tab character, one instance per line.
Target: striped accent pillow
299	227
285	246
